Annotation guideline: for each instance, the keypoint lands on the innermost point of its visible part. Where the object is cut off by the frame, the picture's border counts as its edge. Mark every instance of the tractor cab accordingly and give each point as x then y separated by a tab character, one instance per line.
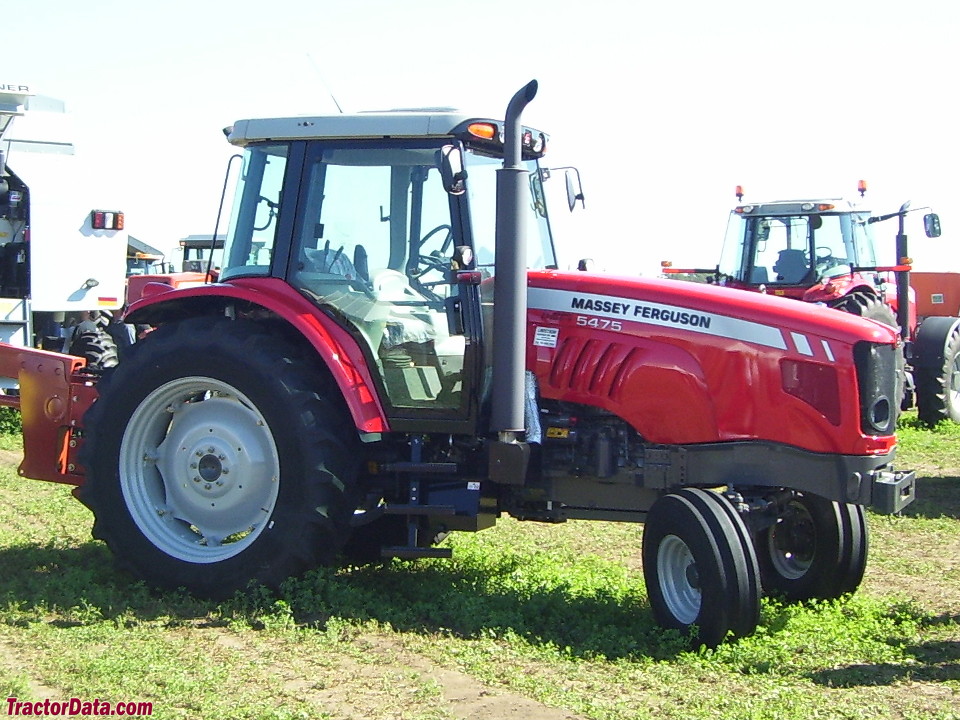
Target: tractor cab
386	221
788	247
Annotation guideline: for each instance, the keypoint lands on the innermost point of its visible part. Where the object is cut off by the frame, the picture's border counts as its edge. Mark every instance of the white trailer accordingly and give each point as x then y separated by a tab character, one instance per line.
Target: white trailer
63	244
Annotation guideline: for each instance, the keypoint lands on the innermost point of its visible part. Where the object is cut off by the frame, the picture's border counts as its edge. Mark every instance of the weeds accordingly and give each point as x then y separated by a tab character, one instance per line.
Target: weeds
523	612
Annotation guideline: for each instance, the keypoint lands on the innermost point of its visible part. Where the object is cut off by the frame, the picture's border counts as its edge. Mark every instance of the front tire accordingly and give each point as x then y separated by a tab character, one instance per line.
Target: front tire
817	549
700	568
216	457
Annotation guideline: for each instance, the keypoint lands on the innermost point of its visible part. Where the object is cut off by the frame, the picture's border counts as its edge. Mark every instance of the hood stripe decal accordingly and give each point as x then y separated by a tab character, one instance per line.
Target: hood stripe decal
657	314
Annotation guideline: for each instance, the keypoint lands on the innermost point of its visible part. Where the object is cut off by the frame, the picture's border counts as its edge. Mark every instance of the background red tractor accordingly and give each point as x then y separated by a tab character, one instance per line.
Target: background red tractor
823	251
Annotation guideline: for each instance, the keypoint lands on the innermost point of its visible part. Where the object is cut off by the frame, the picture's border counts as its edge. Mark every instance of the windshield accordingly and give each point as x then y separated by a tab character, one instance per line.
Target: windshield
365	199
794	249
482	194
250	238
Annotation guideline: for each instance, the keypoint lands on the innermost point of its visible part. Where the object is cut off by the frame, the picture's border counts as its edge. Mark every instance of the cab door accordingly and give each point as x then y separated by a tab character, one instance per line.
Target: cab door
373	243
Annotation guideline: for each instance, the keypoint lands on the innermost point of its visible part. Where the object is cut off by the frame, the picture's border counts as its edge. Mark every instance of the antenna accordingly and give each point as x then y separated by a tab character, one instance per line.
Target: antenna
323	80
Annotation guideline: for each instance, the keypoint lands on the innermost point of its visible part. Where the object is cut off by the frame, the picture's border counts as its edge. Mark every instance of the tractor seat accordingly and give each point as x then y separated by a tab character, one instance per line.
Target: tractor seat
791	266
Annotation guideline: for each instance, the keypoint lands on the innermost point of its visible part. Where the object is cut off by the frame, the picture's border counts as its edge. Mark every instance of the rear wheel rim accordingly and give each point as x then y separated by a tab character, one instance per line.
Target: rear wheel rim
952	385
199	470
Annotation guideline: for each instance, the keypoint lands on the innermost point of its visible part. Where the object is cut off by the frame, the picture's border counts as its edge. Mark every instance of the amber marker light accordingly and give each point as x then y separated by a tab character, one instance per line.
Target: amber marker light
486	131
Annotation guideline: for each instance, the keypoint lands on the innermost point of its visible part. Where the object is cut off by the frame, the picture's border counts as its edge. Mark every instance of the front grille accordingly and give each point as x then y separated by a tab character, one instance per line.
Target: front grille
878	370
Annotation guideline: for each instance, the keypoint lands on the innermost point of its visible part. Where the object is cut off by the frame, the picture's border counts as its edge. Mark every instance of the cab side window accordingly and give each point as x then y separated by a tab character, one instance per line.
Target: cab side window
375	242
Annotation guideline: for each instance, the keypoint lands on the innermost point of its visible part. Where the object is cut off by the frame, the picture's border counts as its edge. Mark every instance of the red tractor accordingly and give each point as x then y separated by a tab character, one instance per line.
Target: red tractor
822	251
348	389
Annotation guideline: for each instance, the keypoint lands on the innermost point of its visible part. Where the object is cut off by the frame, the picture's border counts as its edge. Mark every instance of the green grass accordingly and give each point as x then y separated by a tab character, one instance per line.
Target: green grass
937	447
540	616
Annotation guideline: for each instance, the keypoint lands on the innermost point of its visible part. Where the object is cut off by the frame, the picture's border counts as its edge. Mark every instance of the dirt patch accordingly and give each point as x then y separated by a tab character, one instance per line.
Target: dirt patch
466	696
11	664
11	457
378	677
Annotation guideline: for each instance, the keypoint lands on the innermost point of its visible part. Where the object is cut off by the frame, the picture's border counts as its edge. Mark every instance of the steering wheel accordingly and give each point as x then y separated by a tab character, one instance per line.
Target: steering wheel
823	252
447	241
432	262
427	264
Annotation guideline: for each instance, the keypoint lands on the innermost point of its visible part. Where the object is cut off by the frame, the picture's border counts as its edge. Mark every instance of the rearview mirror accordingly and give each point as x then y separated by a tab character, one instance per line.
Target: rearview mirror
574	189
452	172
931	225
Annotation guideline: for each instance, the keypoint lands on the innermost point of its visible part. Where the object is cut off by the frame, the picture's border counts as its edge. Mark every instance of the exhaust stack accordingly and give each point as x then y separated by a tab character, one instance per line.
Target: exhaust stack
508	459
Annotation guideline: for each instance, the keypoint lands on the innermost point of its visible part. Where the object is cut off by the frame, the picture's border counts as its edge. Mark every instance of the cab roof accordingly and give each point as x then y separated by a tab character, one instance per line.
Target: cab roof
813	206
392	123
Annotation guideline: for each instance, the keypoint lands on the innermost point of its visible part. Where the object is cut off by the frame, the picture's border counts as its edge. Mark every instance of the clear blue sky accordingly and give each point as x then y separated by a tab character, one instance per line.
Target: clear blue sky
664	107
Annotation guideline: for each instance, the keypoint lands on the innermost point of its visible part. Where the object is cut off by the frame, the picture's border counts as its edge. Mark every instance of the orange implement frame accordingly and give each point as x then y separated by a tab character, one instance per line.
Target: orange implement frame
938	293
53	395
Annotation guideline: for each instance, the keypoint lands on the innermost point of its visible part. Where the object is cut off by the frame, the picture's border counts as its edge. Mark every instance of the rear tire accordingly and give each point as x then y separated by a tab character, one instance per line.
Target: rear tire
816	550
870	306
700	568
938	388
216	457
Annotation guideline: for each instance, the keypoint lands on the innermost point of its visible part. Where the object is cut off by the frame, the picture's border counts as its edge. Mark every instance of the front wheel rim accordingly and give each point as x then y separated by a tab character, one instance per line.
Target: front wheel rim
791	543
199	470
679	579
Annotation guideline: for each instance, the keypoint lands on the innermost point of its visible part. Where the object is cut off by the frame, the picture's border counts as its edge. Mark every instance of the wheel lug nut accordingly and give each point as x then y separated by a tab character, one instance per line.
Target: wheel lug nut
207	486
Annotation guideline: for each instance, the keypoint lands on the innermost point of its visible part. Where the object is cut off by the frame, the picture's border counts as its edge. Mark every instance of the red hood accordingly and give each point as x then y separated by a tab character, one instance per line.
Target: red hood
715	303
690	363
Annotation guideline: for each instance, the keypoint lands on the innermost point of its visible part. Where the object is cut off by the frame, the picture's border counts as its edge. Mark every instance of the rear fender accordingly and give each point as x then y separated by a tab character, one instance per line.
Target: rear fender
339	350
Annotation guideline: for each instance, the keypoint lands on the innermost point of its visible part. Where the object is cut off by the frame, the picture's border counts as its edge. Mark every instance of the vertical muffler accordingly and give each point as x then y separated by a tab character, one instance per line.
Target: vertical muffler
508	455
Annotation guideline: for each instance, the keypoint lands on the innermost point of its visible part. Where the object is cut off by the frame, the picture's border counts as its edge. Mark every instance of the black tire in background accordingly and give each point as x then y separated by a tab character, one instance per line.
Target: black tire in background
938	377
870	306
217	457
699	567
816	550
96	347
